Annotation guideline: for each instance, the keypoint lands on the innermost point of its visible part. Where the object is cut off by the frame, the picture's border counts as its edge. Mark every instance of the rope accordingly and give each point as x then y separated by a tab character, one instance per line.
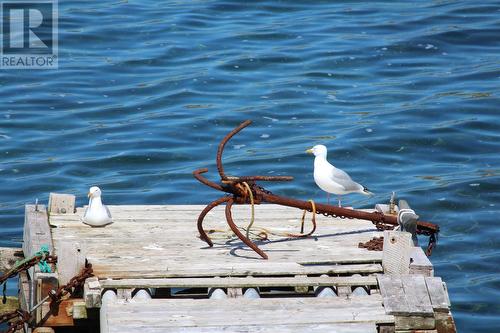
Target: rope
44	267
252	218
263	232
19	266
313	220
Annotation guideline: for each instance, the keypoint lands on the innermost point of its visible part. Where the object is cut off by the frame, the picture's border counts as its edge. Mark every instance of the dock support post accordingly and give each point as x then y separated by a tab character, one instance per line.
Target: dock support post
142	295
216	293
324	291
360	291
251	293
108	298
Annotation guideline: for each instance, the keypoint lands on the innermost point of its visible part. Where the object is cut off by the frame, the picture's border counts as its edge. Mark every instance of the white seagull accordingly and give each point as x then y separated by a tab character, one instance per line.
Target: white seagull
96	214
331	179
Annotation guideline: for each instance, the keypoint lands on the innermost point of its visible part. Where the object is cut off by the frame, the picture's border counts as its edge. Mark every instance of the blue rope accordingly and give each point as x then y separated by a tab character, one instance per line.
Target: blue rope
44	251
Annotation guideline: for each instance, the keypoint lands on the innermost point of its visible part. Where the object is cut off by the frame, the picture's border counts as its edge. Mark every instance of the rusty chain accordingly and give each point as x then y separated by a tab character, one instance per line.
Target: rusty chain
238	194
377	244
73	284
24	317
27	264
56	297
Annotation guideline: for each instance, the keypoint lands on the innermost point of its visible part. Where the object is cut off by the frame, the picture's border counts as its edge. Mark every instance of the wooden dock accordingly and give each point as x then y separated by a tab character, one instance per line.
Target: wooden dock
153	274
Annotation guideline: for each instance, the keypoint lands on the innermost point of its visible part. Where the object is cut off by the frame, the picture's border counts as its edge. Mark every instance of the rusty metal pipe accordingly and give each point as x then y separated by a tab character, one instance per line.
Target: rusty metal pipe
197	174
222	144
238	233
201	217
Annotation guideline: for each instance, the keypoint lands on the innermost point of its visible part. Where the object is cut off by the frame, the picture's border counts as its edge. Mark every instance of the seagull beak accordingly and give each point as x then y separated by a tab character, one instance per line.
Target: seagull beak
309	151
89	195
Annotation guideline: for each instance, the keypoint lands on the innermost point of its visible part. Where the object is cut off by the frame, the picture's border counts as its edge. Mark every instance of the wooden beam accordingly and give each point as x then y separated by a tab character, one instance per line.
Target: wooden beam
445	323
60	203
405	295
420	263
414	323
45	282
70	260
64	315
239	282
438	294
36	232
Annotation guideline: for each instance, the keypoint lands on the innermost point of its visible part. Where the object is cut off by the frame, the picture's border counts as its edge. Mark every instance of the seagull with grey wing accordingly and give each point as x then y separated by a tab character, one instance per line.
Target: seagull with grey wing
96	214
331	179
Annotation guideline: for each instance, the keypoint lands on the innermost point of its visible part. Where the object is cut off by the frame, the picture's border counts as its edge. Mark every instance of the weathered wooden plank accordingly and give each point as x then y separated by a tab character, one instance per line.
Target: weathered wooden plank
438	295
417	296
213	306
445	323
225	269
36	230
60	203
420	264
236	313
256	328
405	295
198	208
64	315
108	270
36	235
24	291
391	289
45	282
414	323
242	282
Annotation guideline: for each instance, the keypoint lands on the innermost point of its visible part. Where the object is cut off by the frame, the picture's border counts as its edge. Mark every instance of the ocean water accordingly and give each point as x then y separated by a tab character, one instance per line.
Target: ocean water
404	94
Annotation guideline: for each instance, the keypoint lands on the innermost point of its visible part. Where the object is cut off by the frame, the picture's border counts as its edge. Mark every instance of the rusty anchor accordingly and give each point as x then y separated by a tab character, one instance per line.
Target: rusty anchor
238	194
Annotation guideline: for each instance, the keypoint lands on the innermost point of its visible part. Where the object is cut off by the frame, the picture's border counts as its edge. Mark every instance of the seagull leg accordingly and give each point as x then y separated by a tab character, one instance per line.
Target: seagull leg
339	201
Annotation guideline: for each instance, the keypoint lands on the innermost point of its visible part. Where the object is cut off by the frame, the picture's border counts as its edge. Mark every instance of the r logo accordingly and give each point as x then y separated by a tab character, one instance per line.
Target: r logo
29	28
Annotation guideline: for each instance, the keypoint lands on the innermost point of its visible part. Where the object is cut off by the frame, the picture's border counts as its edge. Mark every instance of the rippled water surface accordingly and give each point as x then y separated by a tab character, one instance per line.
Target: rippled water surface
405	95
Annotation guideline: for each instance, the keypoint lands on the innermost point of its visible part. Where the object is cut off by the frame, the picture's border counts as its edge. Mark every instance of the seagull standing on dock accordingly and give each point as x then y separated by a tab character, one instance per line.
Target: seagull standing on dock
331	179
96	214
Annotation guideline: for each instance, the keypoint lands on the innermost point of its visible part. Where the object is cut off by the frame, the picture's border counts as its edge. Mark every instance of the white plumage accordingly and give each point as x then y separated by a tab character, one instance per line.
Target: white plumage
96	214
331	179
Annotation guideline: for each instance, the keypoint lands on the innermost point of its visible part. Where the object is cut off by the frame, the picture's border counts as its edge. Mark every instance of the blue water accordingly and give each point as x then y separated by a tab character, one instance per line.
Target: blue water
405	95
